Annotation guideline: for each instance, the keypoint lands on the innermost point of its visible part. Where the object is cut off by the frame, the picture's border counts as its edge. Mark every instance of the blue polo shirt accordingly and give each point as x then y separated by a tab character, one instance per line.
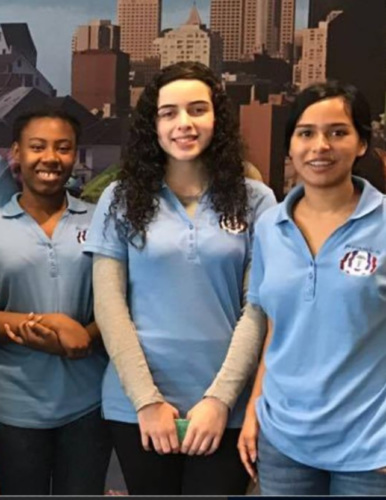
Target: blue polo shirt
324	392
46	275
7	184
184	295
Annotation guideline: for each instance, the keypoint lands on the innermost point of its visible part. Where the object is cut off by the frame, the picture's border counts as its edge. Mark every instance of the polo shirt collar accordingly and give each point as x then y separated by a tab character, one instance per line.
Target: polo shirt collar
370	199
13	208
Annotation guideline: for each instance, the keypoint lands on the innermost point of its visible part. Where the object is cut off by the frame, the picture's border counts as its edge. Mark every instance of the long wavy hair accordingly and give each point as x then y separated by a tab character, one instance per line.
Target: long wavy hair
135	200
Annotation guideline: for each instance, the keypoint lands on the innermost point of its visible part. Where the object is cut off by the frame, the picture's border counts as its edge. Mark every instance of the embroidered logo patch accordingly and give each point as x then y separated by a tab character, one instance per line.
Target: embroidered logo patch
81	236
232	225
359	263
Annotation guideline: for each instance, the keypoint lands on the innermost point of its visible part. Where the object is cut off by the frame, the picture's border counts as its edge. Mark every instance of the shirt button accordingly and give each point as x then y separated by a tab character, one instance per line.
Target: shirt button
191	226
310	276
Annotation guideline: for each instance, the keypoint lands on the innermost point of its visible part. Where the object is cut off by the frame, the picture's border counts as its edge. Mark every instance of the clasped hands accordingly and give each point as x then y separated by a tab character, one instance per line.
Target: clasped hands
207	421
54	333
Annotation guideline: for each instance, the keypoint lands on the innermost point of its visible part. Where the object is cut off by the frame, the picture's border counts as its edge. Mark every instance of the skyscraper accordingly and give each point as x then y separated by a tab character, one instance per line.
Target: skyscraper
140	22
227	19
248	27
100	34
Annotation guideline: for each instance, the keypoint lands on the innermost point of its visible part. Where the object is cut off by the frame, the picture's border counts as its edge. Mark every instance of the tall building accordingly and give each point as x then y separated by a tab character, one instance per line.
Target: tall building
100	34
227	19
262	128
311	67
140	23
100	81
190	42
287	29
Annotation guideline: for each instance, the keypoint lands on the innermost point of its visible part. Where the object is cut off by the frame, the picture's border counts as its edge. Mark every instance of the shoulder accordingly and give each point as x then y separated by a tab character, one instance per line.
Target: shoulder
260	198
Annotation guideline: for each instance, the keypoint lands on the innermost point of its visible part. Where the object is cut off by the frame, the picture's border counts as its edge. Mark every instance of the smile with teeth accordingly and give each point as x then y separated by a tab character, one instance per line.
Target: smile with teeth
48	175
320	163
185	140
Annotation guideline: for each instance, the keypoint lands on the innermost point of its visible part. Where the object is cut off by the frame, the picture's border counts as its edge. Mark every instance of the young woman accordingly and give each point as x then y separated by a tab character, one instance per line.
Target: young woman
172	255
319	273
52	437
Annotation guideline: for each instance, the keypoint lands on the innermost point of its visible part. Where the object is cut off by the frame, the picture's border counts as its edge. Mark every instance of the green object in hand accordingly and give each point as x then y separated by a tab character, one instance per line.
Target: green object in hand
182	427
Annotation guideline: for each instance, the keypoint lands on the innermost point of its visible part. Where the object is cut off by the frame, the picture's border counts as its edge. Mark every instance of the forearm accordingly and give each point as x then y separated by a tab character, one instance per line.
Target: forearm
242	357
119	333
257	388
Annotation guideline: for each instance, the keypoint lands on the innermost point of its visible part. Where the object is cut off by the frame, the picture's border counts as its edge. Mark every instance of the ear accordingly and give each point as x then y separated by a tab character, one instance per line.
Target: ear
362	148
15	152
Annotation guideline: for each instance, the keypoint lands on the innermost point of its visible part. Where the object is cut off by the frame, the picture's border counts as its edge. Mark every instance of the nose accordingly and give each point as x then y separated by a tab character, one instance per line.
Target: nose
321	142
184	119
50	155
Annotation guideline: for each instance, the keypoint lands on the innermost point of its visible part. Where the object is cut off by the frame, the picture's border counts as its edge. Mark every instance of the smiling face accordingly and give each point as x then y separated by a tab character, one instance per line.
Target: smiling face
46	154
185	119
325	144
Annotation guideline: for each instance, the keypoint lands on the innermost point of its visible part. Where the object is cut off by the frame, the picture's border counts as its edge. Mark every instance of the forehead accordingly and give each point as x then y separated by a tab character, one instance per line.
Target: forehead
47	127
183	91
331	110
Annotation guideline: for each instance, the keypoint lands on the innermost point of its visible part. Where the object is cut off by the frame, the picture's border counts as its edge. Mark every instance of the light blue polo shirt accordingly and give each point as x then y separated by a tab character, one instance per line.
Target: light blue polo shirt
43	275
324	392
8	185
184	295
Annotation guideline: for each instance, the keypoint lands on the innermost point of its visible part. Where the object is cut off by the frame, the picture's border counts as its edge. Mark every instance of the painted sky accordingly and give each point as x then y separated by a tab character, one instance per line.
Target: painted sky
53	22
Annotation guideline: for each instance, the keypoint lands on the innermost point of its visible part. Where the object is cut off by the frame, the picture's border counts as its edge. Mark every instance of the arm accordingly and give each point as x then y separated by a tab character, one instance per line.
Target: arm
247	444
27	330
209	416
155	415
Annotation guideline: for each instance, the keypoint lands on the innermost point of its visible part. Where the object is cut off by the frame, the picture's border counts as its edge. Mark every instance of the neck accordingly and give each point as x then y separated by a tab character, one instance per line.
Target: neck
187	177
38	205
330	200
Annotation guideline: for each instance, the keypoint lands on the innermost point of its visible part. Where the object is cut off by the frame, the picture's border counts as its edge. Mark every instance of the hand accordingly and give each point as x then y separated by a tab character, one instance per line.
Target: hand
73	337
30	333
156	423
208	419
247	444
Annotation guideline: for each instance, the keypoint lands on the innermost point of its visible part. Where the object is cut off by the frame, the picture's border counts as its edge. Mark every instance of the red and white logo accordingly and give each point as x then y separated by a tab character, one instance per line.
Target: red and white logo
359	263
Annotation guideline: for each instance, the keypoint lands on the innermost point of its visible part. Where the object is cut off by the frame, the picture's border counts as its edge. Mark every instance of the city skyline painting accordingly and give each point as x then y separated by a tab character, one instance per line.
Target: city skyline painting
94	57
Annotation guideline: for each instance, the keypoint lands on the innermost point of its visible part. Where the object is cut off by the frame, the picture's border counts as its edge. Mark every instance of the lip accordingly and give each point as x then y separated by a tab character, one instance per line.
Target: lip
48	175
321	162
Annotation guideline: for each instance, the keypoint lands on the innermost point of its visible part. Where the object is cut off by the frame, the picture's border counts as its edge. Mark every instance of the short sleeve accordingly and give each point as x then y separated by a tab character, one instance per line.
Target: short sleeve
102	237
256	273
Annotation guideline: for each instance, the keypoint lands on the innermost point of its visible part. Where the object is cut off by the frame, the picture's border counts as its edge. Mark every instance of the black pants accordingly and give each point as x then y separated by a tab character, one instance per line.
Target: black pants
148	473
67	460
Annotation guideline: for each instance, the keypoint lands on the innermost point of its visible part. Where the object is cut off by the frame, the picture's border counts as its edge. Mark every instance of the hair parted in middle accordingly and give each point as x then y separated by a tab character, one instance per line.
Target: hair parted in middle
136	196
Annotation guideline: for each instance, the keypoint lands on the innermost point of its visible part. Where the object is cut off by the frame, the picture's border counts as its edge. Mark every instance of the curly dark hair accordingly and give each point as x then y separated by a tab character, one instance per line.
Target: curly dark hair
136	195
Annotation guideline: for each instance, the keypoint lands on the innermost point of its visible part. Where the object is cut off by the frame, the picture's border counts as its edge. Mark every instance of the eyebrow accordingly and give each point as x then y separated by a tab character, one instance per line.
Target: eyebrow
337	124
45	140
189	104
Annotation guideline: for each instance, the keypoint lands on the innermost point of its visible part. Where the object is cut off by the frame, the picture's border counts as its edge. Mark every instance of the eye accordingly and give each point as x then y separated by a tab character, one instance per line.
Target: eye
198	110
36	147
64	149
304	133
166	113
338	133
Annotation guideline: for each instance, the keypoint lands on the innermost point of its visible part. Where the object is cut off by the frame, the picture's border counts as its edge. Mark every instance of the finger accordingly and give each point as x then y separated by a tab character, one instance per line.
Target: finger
156	444
205	445
165	444
194	447
12	335
214	446
188	440
41	330
247	464
174	443
145	441
251	449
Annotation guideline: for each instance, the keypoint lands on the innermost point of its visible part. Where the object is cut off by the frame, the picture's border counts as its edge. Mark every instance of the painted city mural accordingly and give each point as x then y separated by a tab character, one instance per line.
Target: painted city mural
94	57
